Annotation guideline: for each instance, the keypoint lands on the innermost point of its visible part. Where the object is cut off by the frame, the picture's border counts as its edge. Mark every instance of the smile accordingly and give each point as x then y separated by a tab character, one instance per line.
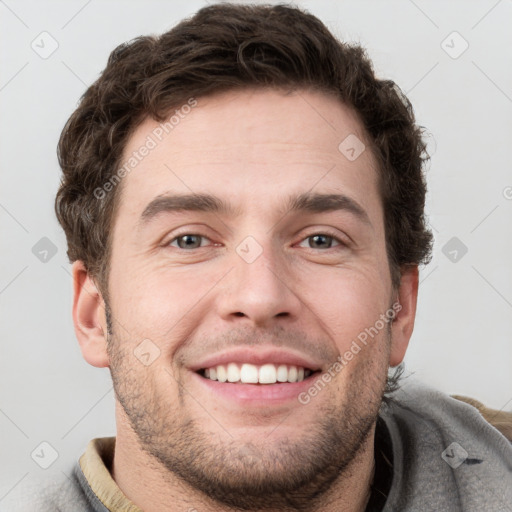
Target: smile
247	373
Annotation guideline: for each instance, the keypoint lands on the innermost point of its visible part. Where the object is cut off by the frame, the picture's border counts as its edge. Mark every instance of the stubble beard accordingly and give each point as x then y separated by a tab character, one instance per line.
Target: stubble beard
286	475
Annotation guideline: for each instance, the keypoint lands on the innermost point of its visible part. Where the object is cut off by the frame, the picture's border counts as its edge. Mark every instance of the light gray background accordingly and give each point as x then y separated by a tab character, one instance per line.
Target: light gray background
462	340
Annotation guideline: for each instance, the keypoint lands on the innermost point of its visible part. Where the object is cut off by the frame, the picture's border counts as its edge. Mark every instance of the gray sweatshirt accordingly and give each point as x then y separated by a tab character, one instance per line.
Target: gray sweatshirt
444	457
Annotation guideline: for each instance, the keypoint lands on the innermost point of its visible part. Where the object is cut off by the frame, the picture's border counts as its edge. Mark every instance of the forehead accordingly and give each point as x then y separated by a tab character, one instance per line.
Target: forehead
250	146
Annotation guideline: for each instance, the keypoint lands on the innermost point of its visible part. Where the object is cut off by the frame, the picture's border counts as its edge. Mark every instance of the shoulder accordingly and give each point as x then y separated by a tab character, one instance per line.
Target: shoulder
57	493
500	420
448	454
451	413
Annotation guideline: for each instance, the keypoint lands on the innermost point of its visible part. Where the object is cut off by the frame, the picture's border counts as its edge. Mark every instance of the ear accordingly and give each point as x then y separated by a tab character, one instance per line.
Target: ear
89	317
403	323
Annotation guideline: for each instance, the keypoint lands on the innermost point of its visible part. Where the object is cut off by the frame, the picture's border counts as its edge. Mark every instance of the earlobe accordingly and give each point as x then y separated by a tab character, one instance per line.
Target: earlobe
89	317
403	323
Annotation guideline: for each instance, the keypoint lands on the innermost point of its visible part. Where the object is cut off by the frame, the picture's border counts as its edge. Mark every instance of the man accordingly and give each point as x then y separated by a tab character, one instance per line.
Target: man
202	172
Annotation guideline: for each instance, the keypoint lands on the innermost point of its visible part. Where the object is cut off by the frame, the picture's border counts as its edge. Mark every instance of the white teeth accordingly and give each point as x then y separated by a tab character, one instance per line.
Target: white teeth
268	374
251	374
282	373
233	372
292	374
221	374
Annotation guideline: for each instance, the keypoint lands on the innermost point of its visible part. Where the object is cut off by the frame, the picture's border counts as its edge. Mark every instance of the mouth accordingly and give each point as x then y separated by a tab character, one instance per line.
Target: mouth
259	387
266	374
247	378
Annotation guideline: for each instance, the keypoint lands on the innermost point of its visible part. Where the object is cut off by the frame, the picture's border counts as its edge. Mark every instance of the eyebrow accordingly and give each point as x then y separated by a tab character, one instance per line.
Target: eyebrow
306	202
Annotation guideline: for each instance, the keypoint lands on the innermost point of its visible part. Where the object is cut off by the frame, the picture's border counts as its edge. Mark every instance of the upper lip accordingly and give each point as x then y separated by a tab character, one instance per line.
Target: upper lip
257	357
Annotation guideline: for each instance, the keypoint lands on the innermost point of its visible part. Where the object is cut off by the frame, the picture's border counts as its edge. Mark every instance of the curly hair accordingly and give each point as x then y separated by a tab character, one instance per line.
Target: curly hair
221	48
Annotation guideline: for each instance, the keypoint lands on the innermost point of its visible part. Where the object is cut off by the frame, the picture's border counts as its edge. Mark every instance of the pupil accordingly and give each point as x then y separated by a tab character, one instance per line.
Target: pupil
186	239
317	237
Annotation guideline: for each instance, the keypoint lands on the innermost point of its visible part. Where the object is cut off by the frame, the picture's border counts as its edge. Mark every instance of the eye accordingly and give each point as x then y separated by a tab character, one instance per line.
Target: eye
188	241
322	241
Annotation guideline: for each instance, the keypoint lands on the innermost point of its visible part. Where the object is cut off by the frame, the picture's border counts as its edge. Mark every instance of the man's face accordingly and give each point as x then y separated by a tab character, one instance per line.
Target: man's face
260	284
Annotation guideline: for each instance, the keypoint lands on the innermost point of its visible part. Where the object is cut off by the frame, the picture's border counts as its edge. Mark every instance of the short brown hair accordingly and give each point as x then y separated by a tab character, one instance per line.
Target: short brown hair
224	47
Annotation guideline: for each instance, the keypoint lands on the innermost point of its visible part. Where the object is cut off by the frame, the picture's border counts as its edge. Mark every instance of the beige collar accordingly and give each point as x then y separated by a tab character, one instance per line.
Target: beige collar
96	463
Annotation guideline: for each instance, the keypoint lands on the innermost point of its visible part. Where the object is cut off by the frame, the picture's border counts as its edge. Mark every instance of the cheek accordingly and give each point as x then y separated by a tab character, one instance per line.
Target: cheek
347	302
160	303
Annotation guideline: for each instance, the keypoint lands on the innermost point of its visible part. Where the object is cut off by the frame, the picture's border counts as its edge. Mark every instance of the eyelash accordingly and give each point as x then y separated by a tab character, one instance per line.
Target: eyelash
340	242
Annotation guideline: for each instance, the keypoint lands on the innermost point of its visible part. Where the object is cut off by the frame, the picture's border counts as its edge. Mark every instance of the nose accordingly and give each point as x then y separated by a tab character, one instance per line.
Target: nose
259	287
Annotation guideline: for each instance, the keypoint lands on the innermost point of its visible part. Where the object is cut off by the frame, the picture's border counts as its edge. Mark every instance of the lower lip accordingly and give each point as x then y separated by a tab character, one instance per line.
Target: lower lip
258	394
